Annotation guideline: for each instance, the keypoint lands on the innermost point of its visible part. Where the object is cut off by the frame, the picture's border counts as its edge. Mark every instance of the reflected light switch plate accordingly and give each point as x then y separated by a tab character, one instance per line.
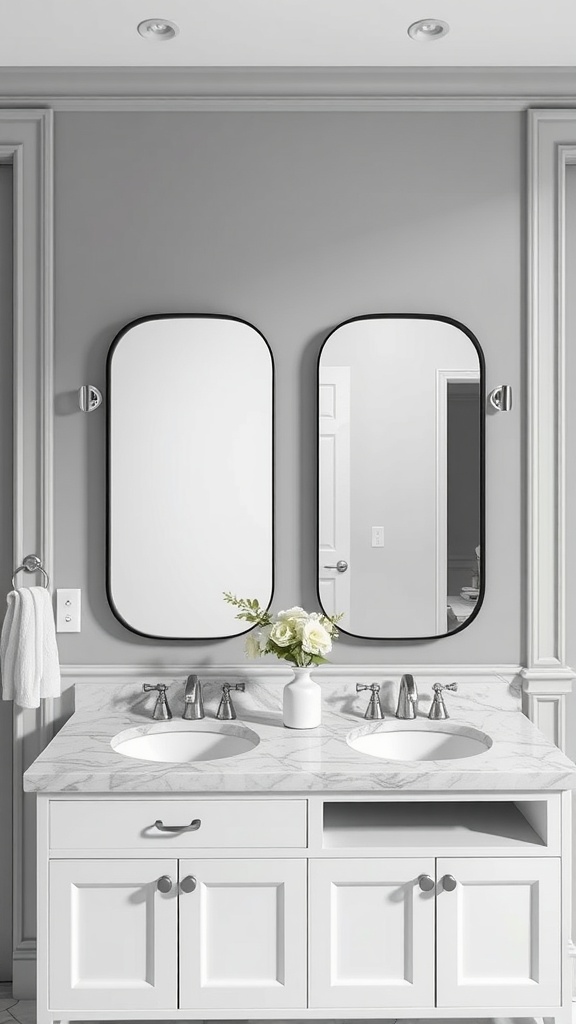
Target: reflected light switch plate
68	611
377	536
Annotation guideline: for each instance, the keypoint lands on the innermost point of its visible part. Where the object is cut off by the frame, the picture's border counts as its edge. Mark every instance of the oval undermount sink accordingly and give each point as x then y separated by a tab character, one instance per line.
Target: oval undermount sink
420	741
181	742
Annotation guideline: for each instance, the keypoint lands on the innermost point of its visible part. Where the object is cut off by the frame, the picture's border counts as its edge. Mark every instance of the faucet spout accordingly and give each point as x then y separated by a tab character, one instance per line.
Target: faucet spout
407	698
193	703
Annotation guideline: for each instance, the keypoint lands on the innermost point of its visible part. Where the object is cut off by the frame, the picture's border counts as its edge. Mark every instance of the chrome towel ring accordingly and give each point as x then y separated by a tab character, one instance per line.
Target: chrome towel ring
31	563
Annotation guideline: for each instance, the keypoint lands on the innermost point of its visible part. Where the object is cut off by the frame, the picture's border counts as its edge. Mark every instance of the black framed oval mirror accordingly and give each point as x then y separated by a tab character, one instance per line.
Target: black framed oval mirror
190	474
401	485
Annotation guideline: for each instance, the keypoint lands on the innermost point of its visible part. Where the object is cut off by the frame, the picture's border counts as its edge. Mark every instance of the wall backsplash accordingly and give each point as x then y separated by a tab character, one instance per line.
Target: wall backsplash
294	222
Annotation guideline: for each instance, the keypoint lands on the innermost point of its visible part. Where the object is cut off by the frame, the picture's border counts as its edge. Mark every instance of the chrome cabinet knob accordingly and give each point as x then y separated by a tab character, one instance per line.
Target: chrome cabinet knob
426	883
164	883
188	884
340	566
449	883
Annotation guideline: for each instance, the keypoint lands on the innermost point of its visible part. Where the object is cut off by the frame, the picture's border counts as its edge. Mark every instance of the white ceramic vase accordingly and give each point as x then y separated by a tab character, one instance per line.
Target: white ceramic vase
302	701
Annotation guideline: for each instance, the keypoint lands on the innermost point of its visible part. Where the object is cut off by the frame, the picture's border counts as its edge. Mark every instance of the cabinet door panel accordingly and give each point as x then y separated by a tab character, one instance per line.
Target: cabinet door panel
371	933
112	935
499	932
243	934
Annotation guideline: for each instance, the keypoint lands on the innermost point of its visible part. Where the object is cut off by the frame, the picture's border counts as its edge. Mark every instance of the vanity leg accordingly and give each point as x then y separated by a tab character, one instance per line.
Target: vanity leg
44	1017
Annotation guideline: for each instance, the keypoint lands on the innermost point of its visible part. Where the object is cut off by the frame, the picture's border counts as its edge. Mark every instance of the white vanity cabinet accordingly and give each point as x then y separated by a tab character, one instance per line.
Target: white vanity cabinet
304	907
113	936
242	934
167	904
224	933
498	933
371	933
377	939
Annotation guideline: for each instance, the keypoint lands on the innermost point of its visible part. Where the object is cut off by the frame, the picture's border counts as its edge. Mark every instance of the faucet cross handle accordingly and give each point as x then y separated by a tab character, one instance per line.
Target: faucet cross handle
161	707
438	687
374	709
226	709
438	710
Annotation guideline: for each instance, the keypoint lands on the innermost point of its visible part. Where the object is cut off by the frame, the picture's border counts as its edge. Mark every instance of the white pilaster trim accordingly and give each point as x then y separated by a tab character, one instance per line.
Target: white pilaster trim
26	143
552	147
545	705
547	678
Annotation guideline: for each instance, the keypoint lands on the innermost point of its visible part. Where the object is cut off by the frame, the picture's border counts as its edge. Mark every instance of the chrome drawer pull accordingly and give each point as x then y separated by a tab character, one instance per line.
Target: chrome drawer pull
192	827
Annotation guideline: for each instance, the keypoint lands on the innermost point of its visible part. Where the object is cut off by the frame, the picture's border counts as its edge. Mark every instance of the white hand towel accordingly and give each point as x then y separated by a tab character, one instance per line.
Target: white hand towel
28	650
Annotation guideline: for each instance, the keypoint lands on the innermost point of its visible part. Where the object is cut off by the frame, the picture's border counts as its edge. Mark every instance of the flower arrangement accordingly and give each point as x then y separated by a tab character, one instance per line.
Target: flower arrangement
299	637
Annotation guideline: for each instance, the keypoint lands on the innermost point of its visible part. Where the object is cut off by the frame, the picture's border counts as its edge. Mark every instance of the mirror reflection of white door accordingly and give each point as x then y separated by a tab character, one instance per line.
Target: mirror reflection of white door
334	490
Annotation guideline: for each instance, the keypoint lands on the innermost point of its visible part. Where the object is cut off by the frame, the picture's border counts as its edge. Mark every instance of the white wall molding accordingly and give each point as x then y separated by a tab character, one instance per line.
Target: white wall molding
289	88
552	146
278	104
547	678
545	703
26	143
114	673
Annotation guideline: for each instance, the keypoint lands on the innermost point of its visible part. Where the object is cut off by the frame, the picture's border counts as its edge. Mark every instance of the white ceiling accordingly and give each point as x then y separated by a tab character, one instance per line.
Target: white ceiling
285	33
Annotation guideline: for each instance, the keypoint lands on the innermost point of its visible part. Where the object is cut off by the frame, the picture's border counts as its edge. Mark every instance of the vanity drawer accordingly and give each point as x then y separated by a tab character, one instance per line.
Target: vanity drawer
130	824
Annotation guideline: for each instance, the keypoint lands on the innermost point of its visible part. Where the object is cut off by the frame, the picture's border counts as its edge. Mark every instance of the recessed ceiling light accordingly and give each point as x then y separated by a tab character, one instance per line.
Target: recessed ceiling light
428	29
158	29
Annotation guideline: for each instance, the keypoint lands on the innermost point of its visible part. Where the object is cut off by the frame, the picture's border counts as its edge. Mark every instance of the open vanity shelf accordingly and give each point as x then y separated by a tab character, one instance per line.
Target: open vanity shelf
502	826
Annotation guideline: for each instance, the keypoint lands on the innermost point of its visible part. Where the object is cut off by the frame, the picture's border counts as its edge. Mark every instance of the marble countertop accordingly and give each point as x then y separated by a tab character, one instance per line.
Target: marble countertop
80	758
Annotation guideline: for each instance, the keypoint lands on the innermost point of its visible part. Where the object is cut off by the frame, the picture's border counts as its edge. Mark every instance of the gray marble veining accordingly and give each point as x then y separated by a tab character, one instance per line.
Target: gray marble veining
81	759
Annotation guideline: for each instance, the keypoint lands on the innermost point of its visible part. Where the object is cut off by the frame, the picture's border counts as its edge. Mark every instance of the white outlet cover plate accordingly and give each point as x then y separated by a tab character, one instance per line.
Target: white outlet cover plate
68	610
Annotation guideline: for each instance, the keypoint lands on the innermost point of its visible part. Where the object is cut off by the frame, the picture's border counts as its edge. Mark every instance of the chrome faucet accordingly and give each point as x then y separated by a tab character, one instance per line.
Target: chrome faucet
374	709
193	703
407	698
438	708
161	708
226	709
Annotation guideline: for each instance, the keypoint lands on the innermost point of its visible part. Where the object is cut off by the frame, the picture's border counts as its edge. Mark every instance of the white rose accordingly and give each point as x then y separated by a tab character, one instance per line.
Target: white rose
282	634
315	638
292	613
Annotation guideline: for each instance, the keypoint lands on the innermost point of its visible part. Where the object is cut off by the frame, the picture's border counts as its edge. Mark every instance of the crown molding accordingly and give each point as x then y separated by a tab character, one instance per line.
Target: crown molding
288	88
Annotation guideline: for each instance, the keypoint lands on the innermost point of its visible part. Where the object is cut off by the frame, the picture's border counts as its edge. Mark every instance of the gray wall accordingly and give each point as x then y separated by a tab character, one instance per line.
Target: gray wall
293	222
5	560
